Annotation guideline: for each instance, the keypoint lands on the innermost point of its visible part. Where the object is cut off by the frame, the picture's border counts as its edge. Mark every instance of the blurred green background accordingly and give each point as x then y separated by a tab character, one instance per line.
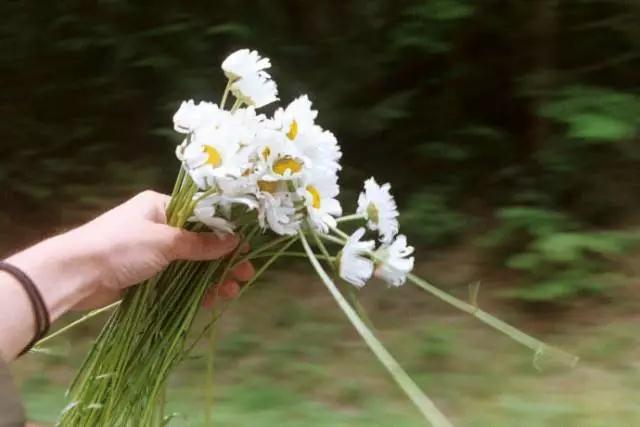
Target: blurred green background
508	128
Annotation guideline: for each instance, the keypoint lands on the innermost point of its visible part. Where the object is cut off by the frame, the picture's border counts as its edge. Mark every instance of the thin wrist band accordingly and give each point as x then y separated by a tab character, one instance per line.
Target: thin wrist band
40	312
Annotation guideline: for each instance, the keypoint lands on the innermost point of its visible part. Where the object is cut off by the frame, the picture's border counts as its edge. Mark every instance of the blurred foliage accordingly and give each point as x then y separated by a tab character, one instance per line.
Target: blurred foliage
469	108
560	259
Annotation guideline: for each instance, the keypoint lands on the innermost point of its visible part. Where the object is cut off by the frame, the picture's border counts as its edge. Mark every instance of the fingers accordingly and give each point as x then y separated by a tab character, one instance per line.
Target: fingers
153	205
182	244
244	271
230	289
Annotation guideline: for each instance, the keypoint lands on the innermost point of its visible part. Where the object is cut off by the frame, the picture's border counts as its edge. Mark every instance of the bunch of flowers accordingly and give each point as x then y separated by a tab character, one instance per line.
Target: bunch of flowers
273	180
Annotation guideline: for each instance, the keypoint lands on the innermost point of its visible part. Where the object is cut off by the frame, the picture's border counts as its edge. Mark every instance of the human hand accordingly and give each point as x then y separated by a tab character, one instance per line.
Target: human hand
121	248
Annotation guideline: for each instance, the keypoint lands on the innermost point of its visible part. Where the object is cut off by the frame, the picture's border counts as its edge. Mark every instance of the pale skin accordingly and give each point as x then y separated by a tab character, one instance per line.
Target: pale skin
90	266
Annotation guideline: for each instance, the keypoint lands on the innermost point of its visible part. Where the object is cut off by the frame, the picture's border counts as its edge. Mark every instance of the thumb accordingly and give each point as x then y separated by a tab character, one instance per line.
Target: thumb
178	244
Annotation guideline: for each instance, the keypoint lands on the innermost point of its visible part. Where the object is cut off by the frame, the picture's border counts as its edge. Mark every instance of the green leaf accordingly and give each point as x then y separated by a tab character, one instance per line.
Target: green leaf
595	114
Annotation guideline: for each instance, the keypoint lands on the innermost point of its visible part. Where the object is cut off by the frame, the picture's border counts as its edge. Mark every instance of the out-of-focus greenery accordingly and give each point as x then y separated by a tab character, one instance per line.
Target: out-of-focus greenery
286	357
472	110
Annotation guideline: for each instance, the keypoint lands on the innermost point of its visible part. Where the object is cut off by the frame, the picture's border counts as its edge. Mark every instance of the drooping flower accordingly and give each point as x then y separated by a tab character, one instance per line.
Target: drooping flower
255	90
245	63
191	116
233	192
379	207
395	261
248	124
277	212
353	264
205	212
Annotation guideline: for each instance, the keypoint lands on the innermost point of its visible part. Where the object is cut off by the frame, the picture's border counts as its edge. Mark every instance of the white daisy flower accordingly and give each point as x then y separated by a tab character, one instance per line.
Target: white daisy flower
243	63
278	213
191	116
205	212
248	123
319	193
226	201
379	207
296	119
213	152
395	261
255	90
321	149
278	158
353	264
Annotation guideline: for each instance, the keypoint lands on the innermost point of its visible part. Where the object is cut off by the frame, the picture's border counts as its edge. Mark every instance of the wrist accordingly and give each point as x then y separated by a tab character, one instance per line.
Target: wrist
17	319
62	270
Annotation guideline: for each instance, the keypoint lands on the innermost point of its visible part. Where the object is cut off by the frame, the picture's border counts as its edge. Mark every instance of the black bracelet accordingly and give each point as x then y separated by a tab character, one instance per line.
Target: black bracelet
40	312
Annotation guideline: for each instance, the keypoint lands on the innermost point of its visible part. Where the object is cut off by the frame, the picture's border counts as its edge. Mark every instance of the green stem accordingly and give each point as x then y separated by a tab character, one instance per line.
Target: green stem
352	217
75	323
422	402
225	94
210	373
533	343
263	248
236	105
292	254
244	289
212	332
350	290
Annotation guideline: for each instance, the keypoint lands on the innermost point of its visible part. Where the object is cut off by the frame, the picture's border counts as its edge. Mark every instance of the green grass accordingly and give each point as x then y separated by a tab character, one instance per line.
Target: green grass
287	357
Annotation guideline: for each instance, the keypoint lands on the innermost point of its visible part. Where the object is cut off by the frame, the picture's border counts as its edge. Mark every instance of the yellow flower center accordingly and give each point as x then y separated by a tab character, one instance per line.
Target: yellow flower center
372	213
315	196
293	130
266	152
268	186
214	157
287	163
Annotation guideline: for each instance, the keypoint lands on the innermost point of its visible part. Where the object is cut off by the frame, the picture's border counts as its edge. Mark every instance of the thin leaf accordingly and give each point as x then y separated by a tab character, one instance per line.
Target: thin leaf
422	402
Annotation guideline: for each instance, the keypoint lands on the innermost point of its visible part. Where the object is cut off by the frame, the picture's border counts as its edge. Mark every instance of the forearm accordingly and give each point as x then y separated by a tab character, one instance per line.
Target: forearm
63	275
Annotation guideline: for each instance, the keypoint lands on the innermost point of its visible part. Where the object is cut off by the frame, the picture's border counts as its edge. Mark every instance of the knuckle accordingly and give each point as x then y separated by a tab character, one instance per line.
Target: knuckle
171	244
147	195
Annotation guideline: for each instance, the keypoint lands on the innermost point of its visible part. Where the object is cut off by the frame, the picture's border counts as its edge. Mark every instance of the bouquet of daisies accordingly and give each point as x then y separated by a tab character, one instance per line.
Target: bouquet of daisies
274	181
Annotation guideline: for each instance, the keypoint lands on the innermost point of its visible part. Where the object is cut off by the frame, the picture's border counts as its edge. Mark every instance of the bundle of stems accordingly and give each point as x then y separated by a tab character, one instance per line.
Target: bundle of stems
123	378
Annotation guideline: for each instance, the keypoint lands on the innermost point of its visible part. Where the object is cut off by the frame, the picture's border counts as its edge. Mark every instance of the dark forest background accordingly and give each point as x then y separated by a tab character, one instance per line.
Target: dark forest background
513	122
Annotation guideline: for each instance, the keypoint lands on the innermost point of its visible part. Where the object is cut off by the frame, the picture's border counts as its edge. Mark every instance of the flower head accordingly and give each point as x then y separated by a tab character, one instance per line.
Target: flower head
191	116
278	158
296	119
379	207
395	261
278	213
213	152
245	63
255	90
319	192
205	212
321	148
354	266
